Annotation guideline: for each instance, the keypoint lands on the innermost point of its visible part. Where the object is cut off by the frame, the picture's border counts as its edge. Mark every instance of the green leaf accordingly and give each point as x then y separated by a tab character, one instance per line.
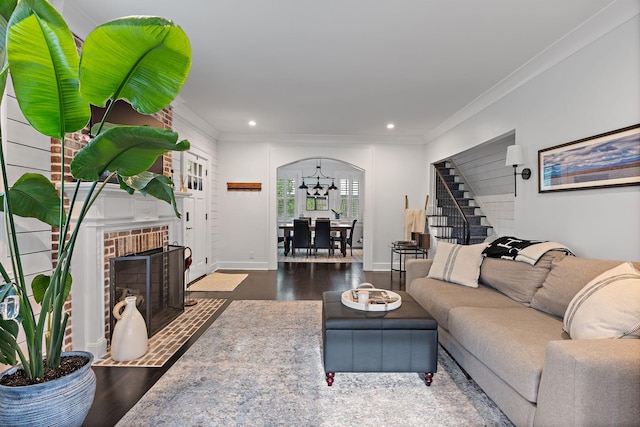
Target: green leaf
6	289
8	344
102	127
34	196
40	284
127	150
152	184
6	9
43	60
8	330
144	60
124	186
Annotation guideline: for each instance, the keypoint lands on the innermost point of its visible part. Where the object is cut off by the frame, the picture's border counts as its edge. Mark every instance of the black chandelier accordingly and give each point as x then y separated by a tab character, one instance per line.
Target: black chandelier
318	175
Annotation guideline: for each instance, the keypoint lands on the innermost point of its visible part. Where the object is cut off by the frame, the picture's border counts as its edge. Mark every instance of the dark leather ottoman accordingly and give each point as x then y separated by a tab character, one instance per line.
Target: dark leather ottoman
401	340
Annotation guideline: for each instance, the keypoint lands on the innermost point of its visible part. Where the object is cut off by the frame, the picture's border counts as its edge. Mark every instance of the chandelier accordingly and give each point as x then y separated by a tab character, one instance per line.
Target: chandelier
318	187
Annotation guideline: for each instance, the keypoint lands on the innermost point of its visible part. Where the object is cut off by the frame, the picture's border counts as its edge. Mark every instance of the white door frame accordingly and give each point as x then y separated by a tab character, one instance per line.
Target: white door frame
196	216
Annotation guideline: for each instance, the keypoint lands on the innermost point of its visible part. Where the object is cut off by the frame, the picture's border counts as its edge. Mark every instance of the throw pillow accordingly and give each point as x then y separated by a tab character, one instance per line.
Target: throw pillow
457	263
517	280
607	307
567	276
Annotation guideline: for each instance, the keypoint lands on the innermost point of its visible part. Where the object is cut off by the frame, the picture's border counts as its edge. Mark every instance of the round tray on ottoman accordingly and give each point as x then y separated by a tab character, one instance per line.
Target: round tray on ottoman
379	299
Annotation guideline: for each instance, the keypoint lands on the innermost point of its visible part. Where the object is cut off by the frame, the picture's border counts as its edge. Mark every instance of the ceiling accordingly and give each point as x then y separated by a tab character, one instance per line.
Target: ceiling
349	67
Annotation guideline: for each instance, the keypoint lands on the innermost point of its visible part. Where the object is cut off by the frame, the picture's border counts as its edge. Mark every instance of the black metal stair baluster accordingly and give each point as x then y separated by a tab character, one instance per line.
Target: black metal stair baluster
457	222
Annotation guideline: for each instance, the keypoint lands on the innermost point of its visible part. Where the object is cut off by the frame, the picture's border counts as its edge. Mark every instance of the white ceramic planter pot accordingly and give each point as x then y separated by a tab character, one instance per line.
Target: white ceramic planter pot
61	402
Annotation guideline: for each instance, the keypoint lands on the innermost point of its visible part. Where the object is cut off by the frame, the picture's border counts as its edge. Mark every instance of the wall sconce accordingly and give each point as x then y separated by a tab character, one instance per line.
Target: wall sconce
515	158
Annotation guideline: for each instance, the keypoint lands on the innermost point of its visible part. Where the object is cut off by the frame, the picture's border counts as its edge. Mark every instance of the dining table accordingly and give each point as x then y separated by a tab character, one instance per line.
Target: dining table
340	228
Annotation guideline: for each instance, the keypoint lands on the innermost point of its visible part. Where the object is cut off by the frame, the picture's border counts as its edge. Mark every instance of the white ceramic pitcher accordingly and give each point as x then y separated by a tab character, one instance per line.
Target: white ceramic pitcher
129	338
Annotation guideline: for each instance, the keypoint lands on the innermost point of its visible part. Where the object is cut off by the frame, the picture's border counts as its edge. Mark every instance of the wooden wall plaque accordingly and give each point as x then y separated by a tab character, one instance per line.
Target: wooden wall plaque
244	186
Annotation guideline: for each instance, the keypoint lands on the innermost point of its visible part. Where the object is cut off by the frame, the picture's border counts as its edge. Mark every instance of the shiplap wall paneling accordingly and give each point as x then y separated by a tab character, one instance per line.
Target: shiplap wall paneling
483	167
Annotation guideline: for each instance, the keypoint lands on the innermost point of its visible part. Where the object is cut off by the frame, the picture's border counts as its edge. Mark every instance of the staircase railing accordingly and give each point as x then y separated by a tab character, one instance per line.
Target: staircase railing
456	218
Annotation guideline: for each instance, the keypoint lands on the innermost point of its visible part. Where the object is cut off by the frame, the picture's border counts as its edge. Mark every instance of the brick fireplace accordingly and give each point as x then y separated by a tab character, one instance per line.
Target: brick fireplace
118	224
123	243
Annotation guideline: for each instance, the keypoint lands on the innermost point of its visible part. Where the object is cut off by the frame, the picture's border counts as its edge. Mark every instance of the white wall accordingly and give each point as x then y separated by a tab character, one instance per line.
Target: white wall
592	91
248	221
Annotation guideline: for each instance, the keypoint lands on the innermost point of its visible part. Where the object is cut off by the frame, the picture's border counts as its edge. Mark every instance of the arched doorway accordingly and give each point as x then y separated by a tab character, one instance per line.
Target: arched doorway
357	156
318	188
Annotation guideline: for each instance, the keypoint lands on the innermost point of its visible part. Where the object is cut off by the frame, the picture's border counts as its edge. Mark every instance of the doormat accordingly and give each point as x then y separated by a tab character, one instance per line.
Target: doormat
169	340
221	282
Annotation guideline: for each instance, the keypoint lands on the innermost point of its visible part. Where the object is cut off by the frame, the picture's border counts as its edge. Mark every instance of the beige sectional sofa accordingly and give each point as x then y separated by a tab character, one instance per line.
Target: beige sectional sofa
507	334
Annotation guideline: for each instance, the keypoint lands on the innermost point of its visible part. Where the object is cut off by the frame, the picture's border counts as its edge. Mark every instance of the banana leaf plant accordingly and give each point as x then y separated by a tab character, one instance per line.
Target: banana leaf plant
143	60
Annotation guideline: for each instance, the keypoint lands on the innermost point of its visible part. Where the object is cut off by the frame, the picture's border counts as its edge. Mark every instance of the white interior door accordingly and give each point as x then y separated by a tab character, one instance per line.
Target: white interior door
196	215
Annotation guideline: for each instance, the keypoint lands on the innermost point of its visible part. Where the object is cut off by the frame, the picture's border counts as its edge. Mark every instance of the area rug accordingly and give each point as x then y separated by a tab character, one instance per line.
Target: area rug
168	340
221	282
321	257
260	364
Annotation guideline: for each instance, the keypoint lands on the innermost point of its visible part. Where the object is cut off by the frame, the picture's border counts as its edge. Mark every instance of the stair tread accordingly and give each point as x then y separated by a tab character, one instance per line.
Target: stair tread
464	202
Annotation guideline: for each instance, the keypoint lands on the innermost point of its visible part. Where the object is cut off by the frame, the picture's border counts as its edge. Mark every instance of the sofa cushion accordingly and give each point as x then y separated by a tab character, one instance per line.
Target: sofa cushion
511	342
438	297
607	307
457	263
517	280
567	276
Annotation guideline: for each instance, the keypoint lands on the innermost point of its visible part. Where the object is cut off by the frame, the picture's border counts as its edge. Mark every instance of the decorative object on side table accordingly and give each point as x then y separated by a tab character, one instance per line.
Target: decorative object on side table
148	70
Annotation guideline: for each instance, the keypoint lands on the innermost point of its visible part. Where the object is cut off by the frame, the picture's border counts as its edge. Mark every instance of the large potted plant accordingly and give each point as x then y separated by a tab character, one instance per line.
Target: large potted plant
143	60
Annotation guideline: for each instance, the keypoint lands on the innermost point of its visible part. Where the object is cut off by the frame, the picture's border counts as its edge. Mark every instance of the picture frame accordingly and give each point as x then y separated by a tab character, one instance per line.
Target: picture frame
606	160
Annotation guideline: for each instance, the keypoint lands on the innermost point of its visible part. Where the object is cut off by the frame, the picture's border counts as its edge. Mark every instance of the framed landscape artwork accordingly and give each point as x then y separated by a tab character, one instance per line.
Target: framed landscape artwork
605	160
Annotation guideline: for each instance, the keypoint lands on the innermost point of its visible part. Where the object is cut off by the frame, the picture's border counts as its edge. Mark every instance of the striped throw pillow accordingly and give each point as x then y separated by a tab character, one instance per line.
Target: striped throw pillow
457	263
607	307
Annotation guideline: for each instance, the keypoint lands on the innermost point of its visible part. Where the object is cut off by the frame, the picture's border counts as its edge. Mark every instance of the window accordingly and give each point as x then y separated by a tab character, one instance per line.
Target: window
195	175
286	195
350	197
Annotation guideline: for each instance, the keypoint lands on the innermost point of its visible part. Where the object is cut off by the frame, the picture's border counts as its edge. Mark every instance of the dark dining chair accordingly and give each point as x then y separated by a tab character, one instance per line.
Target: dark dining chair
301	236
322	239
350	237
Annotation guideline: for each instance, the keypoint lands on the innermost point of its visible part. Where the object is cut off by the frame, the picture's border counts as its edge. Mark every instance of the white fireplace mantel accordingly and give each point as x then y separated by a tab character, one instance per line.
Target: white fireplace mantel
114	210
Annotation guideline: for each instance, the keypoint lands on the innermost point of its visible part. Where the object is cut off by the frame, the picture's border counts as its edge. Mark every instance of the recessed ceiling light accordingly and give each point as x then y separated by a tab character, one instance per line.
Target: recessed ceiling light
390	126
252	123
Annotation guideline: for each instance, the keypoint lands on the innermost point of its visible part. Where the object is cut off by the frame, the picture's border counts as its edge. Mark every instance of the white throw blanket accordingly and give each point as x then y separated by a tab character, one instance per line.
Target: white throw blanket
531	254
414	221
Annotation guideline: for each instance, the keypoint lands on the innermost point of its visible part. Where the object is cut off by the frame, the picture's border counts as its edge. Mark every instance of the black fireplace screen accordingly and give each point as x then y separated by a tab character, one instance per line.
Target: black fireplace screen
156	279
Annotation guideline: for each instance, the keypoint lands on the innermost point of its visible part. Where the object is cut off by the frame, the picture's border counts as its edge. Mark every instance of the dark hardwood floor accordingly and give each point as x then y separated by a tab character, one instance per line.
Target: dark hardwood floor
118	389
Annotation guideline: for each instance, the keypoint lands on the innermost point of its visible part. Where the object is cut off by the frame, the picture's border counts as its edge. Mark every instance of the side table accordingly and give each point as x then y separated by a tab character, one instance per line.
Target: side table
403	250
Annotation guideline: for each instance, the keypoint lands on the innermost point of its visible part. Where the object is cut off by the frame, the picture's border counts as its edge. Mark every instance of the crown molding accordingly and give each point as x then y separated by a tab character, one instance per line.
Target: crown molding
183	113
606	20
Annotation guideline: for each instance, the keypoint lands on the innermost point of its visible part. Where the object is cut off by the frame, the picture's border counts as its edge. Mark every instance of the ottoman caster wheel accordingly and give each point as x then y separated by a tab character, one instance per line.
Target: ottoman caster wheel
330	376
428	378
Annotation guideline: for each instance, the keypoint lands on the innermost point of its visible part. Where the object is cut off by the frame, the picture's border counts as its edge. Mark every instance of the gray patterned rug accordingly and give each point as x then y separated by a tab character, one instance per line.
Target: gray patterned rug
260	364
